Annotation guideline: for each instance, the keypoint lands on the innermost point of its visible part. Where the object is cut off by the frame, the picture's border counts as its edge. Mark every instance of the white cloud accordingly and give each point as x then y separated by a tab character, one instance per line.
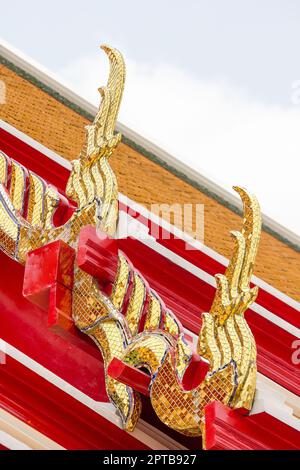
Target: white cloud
216	129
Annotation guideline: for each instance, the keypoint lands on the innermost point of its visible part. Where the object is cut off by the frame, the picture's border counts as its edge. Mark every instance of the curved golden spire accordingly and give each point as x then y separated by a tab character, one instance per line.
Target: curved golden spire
233	292
101	138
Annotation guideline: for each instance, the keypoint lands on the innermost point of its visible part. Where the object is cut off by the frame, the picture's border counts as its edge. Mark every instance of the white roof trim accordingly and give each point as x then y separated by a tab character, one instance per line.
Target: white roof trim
41	73
18	435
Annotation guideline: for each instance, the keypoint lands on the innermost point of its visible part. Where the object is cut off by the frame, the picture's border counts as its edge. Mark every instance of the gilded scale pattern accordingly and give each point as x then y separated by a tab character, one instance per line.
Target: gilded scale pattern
225	340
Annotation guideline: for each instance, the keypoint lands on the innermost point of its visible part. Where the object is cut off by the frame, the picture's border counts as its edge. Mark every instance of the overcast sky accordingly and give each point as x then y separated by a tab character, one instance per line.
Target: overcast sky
215	82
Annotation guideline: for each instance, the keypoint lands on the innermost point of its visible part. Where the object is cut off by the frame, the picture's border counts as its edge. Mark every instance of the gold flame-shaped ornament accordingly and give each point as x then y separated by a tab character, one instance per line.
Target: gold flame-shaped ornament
225	339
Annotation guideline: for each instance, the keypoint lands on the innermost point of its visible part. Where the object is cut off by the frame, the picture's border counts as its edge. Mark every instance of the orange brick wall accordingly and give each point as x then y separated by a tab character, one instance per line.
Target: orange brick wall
59	128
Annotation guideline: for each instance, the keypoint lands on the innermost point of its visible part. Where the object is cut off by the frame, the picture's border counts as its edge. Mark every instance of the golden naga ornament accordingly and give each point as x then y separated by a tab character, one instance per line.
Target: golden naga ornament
225	340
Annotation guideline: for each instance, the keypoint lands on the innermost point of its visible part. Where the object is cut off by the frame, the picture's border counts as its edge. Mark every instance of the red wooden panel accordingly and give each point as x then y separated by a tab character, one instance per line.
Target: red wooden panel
226	429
